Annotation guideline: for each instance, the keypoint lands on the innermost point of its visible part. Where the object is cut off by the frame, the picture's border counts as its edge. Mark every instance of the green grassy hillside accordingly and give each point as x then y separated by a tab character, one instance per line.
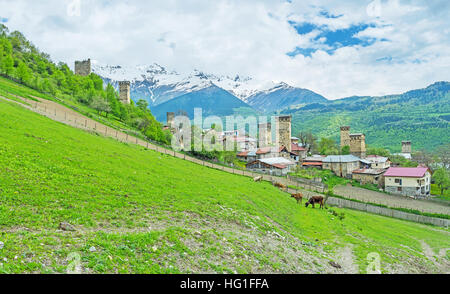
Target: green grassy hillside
137	211
421	116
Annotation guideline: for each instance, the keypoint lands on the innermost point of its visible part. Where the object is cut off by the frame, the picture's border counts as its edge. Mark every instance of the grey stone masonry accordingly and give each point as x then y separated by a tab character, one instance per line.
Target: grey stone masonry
83	68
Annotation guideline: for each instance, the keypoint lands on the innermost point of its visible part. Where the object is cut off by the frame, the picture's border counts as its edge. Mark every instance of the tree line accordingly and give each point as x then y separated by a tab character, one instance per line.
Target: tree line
22	62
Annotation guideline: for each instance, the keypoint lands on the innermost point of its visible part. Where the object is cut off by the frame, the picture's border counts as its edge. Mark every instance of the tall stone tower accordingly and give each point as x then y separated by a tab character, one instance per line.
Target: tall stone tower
358	145
265	134
345	136
406	147
124	92
170	119
284	132
83	68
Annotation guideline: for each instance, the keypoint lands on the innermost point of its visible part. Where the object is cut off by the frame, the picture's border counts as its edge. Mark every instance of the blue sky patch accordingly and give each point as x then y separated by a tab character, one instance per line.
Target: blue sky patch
332	39
3	19
346	37
329	15
303	51
303	28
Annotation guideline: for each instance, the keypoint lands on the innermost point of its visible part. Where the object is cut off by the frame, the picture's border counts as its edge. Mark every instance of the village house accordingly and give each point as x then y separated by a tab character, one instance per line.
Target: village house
369	176
315	161
247	156
242	143
378	161
267	152
298	150
277	166
342	165
408	181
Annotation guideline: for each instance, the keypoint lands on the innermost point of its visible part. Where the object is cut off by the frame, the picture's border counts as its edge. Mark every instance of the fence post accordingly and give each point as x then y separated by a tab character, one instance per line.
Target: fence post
106	131
85	123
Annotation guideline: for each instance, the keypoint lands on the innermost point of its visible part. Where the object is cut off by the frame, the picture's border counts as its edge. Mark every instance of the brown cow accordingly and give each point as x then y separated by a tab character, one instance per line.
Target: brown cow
314	200
298	197
281	186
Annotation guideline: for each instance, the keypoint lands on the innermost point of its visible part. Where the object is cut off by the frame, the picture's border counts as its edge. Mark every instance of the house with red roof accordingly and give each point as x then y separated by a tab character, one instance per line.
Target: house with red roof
408	181
298	150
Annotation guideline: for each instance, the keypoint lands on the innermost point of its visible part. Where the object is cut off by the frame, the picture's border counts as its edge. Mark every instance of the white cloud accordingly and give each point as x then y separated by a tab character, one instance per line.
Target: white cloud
249	38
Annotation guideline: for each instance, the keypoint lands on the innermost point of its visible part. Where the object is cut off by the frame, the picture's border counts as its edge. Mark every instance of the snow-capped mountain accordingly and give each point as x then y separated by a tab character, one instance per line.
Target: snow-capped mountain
282	96
157	85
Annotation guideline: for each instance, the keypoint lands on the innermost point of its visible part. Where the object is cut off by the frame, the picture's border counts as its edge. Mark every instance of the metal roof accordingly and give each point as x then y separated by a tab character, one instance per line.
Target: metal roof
277	160
411	172
341	158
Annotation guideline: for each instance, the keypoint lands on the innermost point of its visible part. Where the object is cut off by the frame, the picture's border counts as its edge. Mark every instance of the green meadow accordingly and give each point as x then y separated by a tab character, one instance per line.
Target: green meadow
139	211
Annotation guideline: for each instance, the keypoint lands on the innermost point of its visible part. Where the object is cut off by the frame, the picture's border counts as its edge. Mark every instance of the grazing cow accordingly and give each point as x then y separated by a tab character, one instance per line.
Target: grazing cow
257	179
314	200
298	197
281	186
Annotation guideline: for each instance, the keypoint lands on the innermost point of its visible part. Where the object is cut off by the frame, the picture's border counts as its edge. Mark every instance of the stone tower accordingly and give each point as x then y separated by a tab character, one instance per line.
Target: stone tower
284	132
83	68
358	145
265	134
406	147
124	92
345	136
170	119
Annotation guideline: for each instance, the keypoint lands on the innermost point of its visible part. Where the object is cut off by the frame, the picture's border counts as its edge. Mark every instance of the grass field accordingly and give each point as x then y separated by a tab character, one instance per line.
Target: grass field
436	191
137	211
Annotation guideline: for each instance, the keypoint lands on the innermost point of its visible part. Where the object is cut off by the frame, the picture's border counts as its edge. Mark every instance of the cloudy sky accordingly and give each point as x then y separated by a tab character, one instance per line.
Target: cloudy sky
336	48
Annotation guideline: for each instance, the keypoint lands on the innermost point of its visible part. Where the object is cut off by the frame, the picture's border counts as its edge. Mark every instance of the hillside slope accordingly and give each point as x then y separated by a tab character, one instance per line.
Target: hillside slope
137	211
212	100
422	116
283	96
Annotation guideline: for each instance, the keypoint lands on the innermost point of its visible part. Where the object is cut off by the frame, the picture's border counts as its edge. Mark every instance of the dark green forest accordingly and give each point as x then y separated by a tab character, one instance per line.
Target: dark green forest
421	116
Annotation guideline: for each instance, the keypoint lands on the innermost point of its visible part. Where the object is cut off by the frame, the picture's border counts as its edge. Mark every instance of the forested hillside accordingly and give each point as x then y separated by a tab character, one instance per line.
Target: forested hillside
22	62
422	116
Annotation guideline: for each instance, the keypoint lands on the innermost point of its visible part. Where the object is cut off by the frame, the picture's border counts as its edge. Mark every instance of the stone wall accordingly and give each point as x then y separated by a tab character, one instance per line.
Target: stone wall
345	136
358	145
284	132
406	147
170	119
83	68
406	191
124	92
265	134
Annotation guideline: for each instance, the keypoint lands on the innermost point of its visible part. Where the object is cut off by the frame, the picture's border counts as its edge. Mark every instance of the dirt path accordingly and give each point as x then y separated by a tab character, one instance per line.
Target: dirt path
70	117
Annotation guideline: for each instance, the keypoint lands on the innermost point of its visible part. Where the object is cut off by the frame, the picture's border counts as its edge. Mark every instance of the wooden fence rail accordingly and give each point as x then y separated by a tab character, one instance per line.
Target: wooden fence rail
81	122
